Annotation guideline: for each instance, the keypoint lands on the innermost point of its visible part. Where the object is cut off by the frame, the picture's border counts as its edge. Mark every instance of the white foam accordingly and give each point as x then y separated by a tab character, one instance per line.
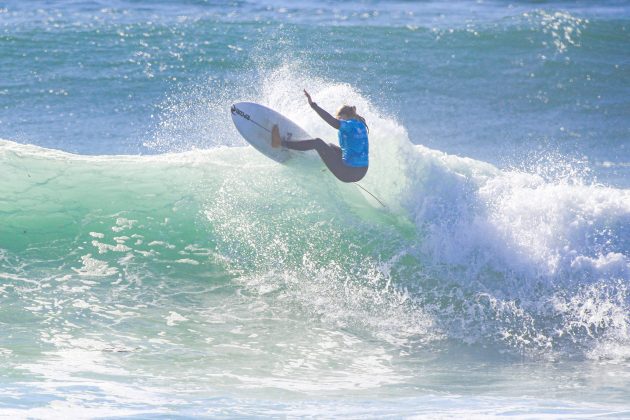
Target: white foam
94	267
103	248
174	318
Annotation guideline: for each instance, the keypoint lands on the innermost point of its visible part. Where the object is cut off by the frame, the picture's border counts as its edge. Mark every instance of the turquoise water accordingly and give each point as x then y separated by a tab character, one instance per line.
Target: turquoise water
153	265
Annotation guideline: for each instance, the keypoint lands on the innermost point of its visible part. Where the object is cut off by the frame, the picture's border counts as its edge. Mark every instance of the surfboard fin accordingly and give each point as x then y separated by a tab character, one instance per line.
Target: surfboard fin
276	141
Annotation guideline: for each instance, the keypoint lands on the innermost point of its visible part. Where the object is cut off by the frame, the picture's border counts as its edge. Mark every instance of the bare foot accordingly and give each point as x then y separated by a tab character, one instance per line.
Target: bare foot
276	141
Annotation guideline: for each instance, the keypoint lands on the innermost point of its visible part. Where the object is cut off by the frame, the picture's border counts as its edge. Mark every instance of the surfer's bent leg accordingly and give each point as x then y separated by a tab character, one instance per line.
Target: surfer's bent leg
304	145
331	155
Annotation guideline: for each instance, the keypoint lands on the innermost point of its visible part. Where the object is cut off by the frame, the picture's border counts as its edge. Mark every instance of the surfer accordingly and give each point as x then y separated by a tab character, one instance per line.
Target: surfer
349	163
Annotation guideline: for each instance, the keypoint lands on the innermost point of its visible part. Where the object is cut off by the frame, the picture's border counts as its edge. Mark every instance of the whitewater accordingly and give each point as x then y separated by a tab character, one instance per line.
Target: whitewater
197	278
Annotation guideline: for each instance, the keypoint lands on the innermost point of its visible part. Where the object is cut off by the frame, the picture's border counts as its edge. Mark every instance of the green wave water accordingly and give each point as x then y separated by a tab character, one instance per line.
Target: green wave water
223	267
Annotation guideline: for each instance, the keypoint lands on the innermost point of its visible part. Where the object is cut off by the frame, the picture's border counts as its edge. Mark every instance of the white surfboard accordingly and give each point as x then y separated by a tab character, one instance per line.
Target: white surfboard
255	121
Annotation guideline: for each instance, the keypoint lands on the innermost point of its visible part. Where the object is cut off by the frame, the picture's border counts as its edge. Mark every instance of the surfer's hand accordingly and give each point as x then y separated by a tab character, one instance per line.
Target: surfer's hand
308	97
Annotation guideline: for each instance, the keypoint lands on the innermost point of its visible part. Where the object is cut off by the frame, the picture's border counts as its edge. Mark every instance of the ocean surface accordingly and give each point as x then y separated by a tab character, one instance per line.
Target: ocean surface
152	265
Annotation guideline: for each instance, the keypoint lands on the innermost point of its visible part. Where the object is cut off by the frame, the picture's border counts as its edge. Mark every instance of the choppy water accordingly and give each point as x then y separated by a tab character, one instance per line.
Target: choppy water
153	265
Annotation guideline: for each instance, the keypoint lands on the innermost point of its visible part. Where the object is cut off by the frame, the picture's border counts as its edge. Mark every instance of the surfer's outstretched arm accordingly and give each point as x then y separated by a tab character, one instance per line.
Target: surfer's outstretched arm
332	121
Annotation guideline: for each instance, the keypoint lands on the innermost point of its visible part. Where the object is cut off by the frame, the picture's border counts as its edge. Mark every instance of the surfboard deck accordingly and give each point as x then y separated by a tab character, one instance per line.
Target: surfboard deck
254	122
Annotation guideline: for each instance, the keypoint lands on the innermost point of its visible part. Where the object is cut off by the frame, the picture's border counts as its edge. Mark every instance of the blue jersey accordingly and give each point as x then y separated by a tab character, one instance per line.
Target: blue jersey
353	140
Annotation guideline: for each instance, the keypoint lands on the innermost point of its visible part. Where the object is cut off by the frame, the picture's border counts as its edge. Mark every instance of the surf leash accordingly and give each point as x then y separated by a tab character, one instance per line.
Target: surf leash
373	196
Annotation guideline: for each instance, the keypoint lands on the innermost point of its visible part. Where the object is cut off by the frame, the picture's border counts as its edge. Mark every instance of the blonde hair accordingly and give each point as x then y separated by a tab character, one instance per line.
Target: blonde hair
351	111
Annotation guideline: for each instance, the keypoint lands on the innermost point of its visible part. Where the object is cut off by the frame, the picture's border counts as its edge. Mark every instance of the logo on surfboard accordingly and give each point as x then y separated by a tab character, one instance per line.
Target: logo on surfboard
235	110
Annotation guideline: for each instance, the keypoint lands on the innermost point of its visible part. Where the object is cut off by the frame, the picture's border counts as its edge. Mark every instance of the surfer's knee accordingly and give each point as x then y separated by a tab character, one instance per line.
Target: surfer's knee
319	143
